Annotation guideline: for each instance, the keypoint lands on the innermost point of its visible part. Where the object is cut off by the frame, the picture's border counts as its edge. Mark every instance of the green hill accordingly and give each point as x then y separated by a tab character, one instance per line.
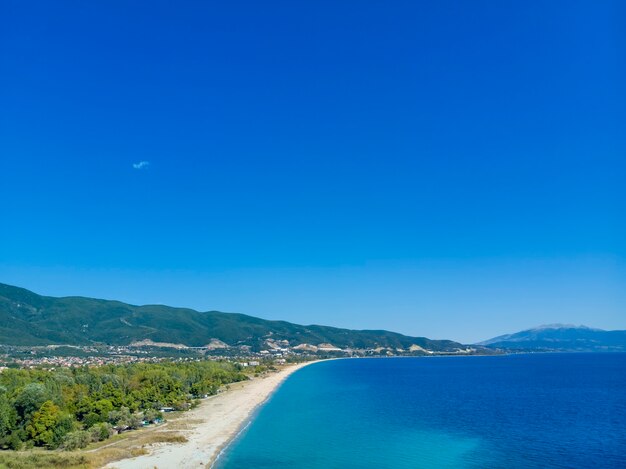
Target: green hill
30	319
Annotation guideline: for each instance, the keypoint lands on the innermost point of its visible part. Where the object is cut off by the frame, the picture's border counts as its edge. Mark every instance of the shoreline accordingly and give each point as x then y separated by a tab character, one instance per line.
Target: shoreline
212	426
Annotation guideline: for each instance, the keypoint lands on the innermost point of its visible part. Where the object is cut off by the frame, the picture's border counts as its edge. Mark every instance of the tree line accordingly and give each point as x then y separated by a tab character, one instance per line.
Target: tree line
69	408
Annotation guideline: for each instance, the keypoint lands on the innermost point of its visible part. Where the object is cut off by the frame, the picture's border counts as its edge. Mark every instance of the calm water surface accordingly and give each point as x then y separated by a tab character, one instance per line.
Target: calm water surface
519	411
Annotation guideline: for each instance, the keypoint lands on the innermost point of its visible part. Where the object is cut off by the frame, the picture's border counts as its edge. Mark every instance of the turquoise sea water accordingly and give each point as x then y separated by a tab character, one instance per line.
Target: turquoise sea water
518	411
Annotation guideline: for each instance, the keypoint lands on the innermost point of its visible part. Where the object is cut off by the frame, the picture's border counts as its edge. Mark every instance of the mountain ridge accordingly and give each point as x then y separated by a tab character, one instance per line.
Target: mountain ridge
27	318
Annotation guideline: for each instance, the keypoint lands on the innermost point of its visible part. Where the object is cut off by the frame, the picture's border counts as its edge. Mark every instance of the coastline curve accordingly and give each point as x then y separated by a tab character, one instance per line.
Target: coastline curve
216	424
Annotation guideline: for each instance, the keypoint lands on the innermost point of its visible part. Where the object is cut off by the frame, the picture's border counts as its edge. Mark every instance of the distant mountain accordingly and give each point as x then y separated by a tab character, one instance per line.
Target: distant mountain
30	319
562	338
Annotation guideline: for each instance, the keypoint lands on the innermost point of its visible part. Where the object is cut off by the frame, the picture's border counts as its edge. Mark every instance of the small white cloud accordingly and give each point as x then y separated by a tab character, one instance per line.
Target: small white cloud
141	164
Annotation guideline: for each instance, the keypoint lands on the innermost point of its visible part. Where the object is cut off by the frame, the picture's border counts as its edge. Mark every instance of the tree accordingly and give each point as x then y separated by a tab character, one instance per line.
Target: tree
65	425
124	419
30	399
43	423
91	419
8	417
103	407
43	407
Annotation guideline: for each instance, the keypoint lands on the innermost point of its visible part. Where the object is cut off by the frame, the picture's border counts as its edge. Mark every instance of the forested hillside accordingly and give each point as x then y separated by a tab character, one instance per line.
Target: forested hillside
30	319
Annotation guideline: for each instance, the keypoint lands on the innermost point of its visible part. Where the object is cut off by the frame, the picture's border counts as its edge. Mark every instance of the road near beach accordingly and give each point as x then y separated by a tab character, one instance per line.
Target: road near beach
215	422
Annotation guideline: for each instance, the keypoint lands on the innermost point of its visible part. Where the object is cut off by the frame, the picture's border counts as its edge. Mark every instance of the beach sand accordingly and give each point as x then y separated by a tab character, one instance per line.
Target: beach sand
213	424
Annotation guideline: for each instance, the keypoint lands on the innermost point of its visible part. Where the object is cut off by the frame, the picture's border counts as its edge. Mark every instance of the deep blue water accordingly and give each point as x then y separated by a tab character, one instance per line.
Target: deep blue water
517	411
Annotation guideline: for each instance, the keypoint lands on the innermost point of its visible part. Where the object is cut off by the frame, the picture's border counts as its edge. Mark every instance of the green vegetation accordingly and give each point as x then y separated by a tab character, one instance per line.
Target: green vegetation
41	459
30	319
72	407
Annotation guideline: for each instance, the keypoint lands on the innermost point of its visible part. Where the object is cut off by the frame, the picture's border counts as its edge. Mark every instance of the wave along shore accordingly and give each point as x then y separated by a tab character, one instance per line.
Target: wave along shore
213	424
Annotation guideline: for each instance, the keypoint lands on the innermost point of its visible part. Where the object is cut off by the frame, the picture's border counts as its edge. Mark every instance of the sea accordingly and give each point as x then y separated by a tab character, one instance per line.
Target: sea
558	410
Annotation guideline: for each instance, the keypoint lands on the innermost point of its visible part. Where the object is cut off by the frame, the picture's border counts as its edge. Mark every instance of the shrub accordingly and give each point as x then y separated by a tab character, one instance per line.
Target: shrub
76	440
14	441
100	432
65	425
124	418
151	415
91	419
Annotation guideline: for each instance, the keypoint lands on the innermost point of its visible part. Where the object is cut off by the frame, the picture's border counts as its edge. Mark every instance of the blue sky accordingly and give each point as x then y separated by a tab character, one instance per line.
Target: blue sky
448	169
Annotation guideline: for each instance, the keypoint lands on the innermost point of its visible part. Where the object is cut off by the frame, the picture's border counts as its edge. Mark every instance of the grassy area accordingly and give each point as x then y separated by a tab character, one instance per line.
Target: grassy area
43	459
129	445
132	446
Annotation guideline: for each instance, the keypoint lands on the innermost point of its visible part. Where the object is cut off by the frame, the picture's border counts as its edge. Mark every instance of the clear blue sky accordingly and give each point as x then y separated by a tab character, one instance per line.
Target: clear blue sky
448	169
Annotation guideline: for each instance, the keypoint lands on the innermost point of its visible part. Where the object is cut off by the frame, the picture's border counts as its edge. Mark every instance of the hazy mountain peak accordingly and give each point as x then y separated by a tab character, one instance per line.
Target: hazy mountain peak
561	326
560	337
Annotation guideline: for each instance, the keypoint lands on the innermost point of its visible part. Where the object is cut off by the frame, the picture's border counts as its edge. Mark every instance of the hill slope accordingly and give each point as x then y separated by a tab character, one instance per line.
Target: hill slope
30	319
560	337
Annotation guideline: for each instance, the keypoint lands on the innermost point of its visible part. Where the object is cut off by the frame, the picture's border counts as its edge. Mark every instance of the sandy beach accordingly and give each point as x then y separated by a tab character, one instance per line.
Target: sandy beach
213	424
